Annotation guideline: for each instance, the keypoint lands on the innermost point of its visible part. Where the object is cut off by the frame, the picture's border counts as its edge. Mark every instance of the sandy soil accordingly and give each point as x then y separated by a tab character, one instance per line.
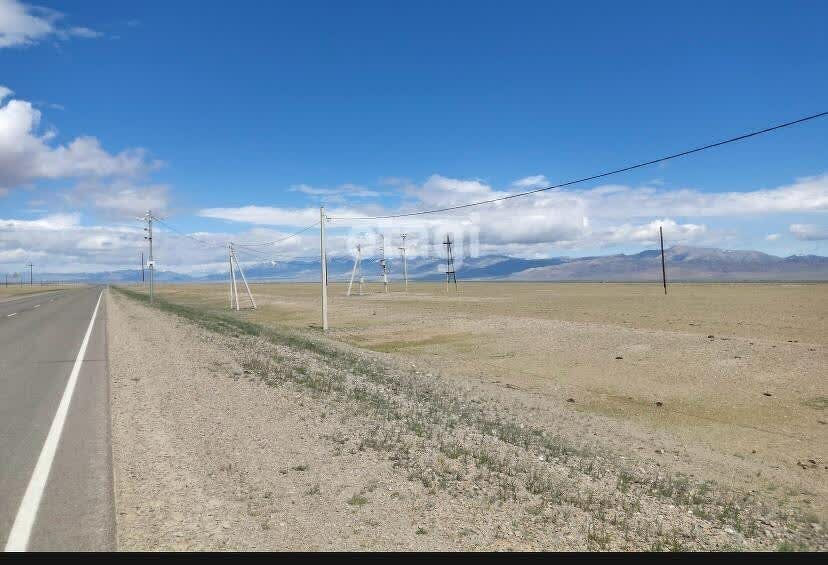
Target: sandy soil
754	393
227	441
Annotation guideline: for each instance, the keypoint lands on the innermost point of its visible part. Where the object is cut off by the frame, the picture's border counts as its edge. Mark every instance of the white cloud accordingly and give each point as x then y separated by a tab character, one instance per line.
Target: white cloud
809	232
604	216
264	215
120	198
338	194
772	237
54	222
808	194
27	156
22	25
535	181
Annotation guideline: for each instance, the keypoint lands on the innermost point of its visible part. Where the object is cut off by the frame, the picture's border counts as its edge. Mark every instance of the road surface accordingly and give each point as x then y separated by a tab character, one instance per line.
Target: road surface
56	488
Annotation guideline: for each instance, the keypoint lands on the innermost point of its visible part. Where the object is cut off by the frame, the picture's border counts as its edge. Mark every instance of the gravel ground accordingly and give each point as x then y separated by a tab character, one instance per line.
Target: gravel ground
226	440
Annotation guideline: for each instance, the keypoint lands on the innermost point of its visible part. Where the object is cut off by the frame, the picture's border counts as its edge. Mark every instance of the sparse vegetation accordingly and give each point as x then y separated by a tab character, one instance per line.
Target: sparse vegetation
487	450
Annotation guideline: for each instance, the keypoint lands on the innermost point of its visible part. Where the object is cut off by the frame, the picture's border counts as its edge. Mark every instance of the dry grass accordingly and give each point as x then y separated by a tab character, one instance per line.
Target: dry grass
749	397
506	458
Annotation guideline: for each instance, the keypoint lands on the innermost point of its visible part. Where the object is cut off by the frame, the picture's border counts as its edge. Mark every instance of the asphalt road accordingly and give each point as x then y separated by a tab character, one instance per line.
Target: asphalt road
66	491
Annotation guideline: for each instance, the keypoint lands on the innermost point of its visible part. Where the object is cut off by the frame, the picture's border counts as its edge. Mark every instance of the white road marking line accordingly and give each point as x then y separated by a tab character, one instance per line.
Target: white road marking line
10	315
26	514
38	306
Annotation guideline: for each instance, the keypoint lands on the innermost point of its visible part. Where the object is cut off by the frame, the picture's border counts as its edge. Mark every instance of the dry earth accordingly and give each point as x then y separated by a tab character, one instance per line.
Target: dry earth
739	369
229	437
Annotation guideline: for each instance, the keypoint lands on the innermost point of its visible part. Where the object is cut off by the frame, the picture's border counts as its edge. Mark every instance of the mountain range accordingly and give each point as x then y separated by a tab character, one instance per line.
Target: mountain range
683	263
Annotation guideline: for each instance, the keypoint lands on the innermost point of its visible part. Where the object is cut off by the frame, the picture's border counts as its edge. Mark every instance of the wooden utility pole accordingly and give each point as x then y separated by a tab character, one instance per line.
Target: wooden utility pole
663	268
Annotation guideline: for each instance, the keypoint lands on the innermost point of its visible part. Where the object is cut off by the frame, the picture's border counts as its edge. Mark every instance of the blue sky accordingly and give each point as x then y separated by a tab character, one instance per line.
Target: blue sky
206	109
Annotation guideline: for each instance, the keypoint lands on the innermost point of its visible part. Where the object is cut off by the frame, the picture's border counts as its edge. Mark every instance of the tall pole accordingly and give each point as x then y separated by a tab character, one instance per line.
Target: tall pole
233	278
383	263
244	280
230	279
323	259
151	260
663	268
30	273
142	266
405	263
357	261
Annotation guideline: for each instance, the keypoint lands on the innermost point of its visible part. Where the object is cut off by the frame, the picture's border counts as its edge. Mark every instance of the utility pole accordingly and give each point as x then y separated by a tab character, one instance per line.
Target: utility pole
663	268
450	274
142	267
30	273
230	280
405	263
148	236
323	259
383	263
234	288
357	269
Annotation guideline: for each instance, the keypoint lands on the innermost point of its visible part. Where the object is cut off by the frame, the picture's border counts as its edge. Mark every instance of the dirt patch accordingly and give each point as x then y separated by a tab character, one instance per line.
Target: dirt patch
243	439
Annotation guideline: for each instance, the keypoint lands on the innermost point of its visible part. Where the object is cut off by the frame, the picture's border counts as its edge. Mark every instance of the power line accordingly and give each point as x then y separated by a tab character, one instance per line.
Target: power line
278	241
178	231
592	177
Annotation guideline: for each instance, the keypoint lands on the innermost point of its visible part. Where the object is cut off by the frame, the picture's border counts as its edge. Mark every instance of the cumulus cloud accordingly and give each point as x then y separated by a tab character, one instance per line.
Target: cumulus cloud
809	232
26	155
108	181
22	25
603	216
772	237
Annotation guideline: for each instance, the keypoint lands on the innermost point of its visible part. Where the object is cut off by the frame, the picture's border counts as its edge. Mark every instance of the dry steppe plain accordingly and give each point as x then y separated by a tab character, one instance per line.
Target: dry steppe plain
715	382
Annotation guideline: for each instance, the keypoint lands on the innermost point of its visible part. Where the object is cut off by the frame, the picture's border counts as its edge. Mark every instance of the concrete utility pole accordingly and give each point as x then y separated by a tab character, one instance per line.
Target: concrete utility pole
142	266
383	263
323	259
663	268
405	263
234	291
30	273
148	236
357	269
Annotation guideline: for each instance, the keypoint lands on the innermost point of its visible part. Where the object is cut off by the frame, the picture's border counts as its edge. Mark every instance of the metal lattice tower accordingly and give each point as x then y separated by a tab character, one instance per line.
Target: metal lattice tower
450	274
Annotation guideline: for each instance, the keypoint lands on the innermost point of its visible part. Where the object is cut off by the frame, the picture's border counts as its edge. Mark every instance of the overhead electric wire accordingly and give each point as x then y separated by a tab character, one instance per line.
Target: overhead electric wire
178	231
276	242
591	177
